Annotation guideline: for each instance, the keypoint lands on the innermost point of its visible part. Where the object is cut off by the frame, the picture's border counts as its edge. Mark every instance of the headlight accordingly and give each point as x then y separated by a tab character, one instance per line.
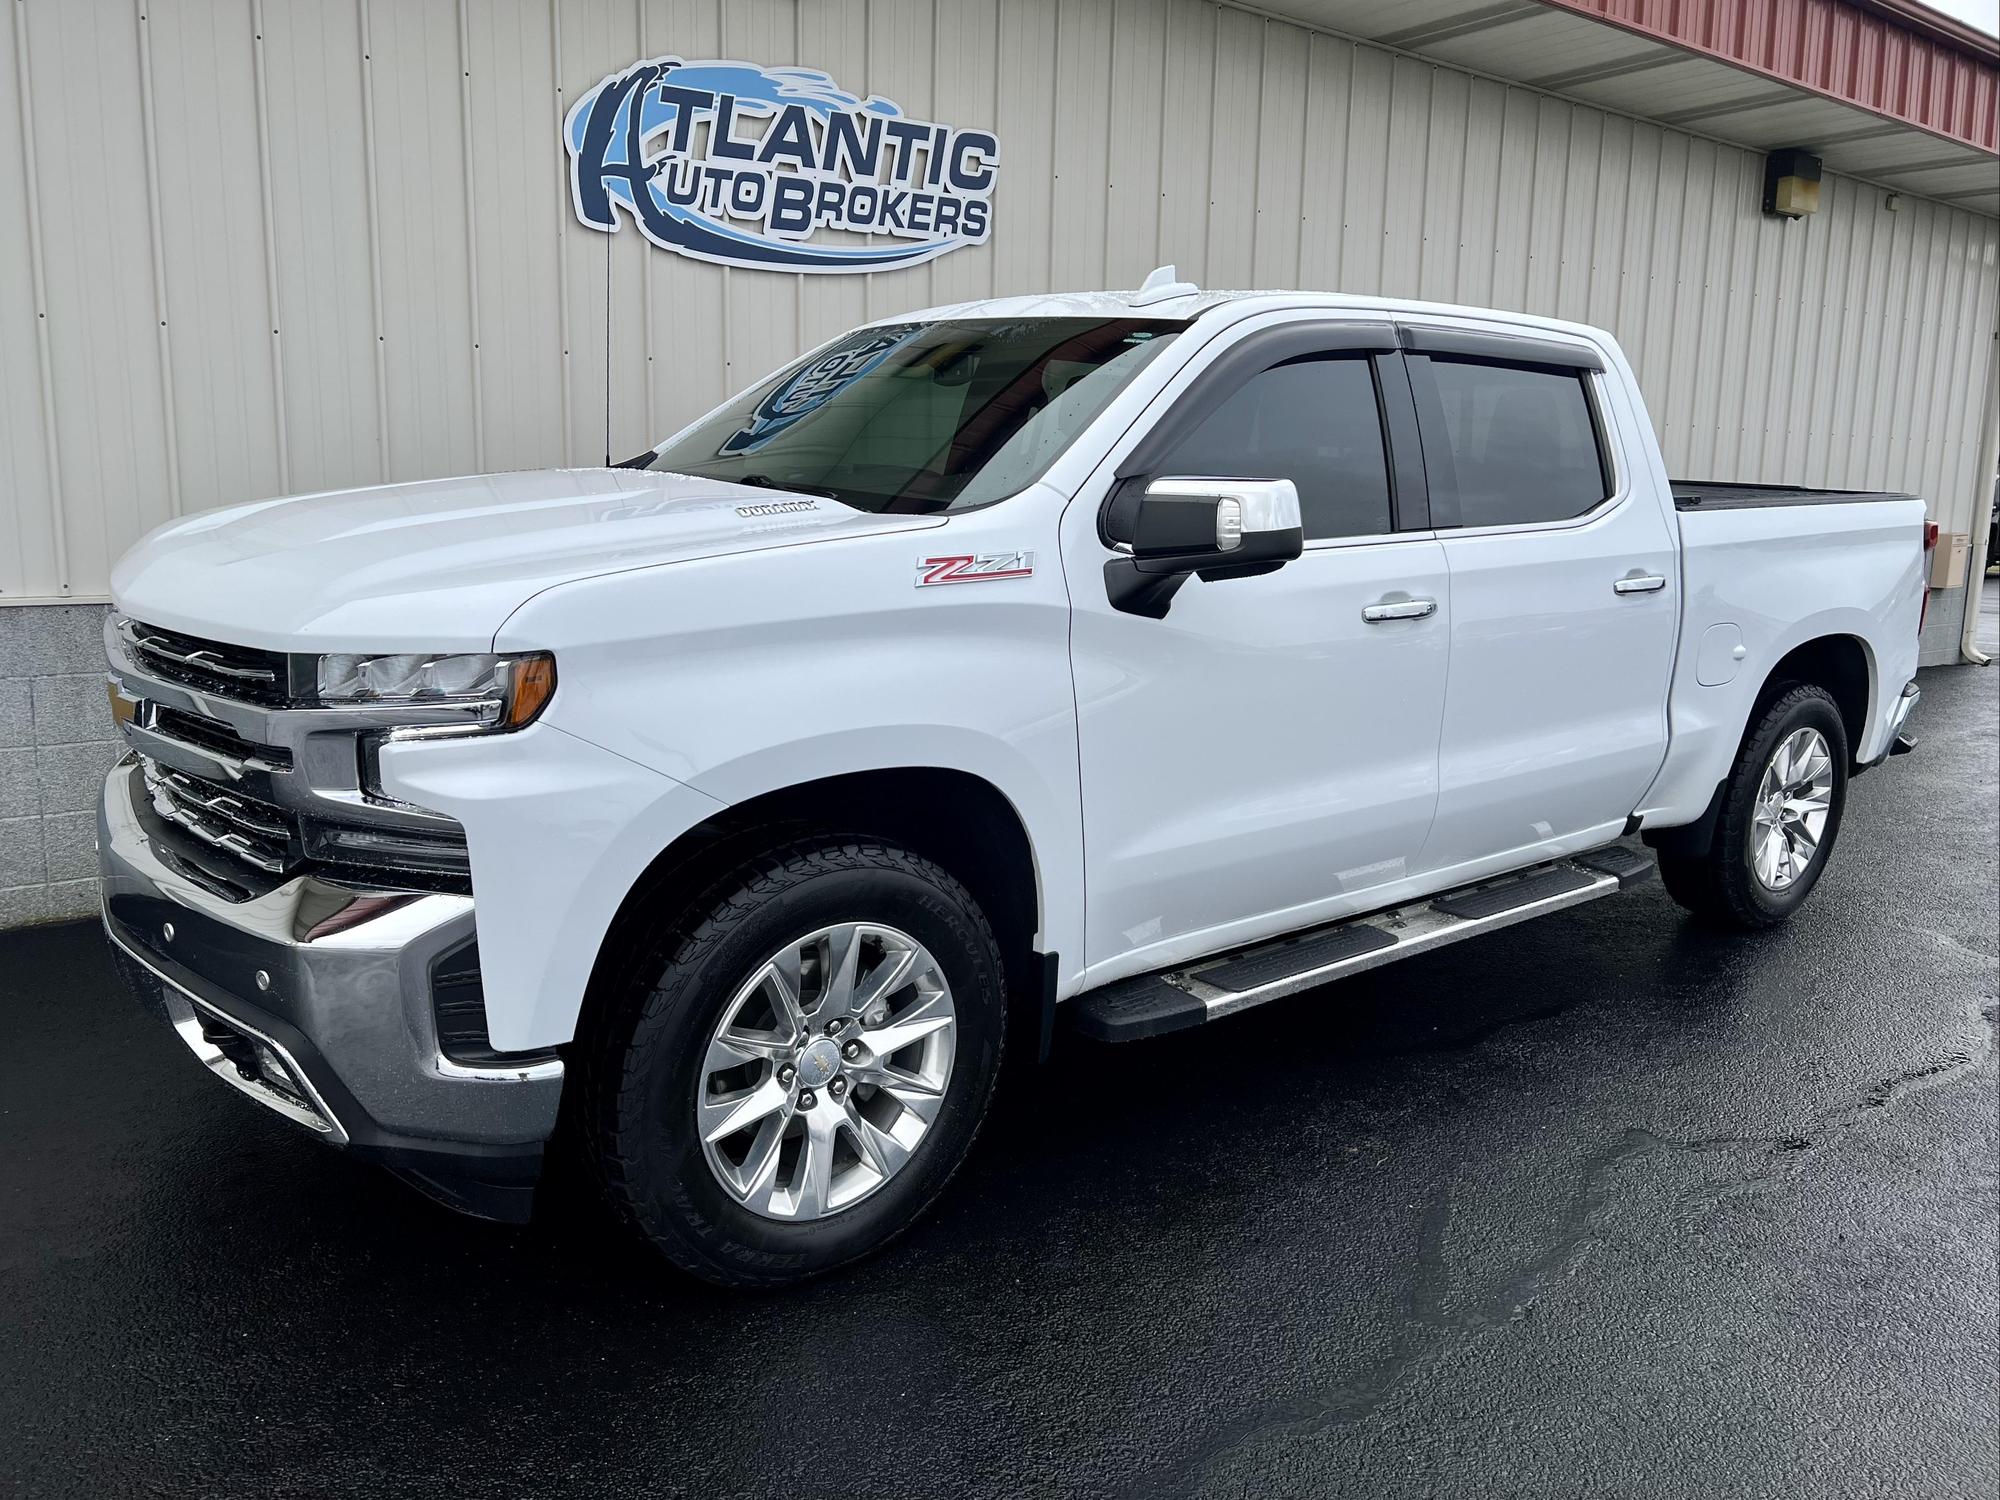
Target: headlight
514	689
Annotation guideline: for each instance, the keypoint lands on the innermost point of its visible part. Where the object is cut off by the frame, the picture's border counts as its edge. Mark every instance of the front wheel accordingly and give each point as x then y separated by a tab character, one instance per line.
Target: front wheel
1781	809
801	1066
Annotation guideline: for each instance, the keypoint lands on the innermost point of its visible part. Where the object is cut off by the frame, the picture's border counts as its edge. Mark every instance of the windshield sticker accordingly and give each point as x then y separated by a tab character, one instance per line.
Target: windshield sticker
744	165
979	567
815	383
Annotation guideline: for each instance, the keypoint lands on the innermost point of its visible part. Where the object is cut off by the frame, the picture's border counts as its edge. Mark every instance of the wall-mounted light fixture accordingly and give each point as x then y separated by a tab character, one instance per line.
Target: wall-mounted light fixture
1791	183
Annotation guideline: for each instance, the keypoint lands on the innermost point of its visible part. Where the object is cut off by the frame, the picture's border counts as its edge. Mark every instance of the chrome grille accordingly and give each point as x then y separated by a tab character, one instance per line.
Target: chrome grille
213	736
256	832
240	672
223	747
277	841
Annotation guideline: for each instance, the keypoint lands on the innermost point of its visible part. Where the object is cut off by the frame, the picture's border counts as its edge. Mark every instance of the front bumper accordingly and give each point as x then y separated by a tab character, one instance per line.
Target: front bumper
315	999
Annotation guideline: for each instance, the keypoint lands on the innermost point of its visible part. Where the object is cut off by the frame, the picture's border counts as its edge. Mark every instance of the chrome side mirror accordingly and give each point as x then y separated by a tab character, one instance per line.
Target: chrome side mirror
1211	528
1234	520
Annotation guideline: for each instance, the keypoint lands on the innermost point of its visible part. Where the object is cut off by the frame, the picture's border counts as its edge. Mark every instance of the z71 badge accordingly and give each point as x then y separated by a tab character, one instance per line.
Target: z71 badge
974	567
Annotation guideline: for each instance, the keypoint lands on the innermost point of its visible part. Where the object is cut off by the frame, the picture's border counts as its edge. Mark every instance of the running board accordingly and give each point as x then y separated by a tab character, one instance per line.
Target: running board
1153	1004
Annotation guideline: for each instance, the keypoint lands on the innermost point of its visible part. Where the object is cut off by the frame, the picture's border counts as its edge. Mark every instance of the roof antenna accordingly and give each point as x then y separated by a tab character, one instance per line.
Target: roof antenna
1163	285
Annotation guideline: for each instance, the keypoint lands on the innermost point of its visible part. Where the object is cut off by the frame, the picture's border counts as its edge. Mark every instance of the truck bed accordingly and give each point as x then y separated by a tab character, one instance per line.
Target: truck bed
1711	494
1765	569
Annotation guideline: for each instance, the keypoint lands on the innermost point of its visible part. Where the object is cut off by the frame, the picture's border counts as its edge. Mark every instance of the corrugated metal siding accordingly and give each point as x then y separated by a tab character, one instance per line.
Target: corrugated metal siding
275	244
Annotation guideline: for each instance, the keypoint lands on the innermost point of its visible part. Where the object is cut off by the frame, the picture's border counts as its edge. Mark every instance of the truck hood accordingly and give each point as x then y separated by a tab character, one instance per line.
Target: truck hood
440	564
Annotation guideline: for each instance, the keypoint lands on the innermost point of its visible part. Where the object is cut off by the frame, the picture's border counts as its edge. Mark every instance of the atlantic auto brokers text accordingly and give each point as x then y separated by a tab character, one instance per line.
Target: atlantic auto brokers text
854	170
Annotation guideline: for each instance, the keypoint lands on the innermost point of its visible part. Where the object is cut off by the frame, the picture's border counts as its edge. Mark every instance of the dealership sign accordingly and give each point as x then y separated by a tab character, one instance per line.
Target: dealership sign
774	168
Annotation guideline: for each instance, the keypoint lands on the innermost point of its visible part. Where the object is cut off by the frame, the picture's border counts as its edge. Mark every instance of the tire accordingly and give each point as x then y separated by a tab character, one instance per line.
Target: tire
649	1064
1723	883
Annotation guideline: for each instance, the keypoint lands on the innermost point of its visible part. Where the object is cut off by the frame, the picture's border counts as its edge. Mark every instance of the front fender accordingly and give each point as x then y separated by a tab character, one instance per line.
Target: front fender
741	676
559	830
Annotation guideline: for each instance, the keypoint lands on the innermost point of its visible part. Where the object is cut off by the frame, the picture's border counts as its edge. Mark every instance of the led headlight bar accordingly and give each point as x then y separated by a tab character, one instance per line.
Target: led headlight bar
512	688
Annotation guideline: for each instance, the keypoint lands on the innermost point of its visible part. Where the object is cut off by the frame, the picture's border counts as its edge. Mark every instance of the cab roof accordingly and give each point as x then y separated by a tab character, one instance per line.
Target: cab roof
1164	296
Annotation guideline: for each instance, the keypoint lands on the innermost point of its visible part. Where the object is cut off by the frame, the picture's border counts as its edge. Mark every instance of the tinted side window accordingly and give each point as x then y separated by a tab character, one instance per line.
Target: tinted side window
1522	442
1312	421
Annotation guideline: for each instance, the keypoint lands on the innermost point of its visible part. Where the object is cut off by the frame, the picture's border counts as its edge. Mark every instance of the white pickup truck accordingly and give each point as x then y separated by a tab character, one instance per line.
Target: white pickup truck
1114	660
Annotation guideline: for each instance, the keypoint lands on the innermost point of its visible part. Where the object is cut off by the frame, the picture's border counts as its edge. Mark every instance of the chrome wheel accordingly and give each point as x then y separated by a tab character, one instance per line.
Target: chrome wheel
826	1070
1793	802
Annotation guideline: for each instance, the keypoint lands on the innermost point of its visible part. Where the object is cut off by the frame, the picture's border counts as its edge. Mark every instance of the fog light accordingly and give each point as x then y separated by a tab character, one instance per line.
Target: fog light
440	854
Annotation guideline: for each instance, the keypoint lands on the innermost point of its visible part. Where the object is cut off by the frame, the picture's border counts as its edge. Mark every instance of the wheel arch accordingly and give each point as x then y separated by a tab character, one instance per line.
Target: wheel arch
1840	662
953	817
1843	665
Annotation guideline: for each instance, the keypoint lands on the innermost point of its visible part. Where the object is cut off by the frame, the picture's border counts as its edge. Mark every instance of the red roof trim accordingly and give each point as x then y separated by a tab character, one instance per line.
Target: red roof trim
1936	25
1891	57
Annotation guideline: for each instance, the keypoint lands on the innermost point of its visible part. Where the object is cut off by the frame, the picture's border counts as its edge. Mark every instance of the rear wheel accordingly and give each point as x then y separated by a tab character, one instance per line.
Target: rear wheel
801	1065
1781	810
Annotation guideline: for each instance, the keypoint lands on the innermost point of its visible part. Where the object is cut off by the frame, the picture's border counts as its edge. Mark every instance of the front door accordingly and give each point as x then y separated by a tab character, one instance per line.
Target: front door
1265	755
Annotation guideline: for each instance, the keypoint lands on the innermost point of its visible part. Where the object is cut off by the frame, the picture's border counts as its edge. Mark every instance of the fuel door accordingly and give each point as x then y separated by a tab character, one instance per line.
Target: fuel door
1722	652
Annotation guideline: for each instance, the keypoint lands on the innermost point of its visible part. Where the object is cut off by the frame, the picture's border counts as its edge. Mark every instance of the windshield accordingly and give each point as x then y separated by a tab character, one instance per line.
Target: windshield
921	417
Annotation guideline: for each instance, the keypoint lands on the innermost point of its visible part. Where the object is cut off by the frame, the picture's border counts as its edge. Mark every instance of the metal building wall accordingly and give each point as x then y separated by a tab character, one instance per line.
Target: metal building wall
261	246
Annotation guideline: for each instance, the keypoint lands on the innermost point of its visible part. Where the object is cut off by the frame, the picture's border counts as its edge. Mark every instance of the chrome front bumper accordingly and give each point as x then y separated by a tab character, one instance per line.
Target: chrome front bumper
315	999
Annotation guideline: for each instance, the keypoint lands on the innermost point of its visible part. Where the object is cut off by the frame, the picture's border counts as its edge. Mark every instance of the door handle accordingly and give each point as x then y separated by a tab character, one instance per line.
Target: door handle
1402	609
1640	583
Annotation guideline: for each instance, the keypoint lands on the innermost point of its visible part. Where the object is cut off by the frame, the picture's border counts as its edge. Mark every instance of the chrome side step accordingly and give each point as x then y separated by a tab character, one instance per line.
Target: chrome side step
1152	1004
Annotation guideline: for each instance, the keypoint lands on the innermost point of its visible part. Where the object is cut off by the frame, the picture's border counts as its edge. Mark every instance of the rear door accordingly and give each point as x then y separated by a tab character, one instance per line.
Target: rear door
1266	754
1564	598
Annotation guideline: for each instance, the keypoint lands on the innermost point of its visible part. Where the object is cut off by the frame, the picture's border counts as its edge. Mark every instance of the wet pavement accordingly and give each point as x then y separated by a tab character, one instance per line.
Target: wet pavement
1604	1204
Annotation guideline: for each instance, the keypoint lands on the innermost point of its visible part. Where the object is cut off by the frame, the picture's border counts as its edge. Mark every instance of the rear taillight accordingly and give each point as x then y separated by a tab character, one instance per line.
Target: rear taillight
1930	546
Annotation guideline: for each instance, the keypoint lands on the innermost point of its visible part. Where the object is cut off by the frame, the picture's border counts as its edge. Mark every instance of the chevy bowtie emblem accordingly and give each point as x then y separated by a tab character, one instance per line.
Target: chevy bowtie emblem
974	567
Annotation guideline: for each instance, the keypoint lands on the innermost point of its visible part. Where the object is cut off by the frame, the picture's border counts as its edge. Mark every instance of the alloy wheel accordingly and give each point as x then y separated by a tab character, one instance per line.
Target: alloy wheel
826	1070
1794	799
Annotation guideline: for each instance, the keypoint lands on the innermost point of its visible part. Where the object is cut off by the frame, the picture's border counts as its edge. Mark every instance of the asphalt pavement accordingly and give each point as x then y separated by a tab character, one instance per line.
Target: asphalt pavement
1605	1204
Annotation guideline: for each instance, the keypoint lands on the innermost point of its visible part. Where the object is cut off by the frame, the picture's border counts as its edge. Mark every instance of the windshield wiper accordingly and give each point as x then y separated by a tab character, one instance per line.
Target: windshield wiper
642	461
766	482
